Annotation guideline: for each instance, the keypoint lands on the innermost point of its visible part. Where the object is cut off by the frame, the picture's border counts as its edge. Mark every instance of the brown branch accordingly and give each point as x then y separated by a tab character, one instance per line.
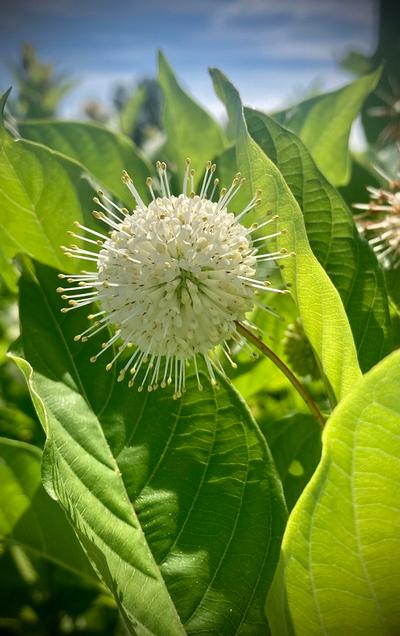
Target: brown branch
266	351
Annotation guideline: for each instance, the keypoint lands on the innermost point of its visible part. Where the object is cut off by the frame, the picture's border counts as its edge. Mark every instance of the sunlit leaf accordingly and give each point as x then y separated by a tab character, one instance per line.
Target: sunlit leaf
41	194
251	377
190	130
9	273
339	569
324	124
346	257
319	304
103	153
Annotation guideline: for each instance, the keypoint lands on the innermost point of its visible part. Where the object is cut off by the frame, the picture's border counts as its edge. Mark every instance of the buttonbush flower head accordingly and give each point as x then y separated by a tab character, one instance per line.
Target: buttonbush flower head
389	110
173	278
299	352
380	222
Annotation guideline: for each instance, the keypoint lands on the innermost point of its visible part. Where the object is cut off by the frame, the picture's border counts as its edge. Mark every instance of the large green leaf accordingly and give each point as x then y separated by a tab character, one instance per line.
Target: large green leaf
319	304
28	517
204	530
340	563
346	257
103	153
324	123
41	194
190	130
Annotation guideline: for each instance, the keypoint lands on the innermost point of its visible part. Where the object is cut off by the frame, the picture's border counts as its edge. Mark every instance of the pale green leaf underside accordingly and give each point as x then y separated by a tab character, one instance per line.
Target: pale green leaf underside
340	563
28	517
346	257
190	130
103	153
318	302
324	124
207	505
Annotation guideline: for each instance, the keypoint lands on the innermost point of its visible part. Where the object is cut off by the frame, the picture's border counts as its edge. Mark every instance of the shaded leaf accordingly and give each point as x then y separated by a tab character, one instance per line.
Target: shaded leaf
362	175
295	444
130	111
28	517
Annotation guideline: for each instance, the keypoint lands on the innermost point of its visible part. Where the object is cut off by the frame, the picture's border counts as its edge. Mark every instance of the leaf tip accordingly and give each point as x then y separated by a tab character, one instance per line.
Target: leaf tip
162	60
3	100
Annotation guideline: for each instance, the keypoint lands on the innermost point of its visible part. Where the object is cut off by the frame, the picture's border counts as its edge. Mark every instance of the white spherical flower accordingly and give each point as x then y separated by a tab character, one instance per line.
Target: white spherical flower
380	222
173	277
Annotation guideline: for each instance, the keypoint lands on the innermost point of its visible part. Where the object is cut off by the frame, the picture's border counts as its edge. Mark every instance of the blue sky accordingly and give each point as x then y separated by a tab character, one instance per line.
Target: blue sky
271	49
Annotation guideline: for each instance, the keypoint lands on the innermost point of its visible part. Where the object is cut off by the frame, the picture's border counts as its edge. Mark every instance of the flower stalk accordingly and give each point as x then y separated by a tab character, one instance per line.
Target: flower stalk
300	388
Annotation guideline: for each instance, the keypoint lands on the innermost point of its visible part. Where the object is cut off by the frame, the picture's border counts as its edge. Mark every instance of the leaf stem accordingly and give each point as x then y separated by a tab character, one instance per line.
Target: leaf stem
300	388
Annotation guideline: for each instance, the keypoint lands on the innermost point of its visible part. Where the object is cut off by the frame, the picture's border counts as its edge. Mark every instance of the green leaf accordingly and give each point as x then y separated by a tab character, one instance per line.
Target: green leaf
41	194
392	277
80	471
319	304
191	131
346	257
129	114
339	569
9	273
176	503
263	374
28	517
3	101
103	153
295	444
324	124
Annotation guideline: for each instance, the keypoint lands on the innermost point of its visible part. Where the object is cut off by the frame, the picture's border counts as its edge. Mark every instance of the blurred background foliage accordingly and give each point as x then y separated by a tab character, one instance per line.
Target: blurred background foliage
39	88
40	598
